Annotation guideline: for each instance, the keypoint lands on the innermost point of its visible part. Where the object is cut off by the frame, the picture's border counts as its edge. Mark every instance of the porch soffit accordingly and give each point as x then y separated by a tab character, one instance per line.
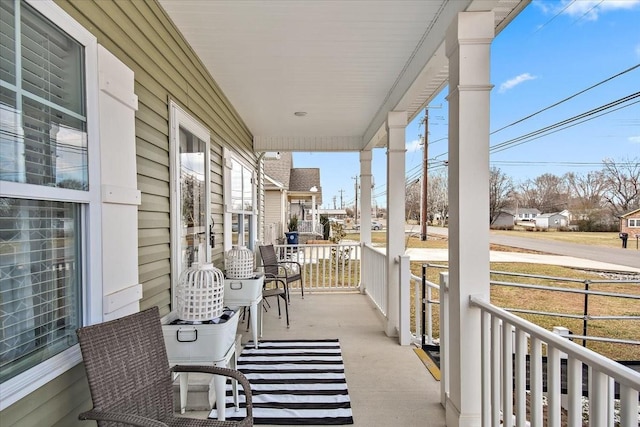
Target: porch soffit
345	63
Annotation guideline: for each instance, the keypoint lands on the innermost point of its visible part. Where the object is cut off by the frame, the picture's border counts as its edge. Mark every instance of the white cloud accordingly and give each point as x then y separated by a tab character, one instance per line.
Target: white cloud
635	139
511	83
589	10
415	145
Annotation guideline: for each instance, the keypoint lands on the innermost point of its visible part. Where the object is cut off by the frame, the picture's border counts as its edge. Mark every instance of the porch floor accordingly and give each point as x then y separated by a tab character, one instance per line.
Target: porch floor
388	384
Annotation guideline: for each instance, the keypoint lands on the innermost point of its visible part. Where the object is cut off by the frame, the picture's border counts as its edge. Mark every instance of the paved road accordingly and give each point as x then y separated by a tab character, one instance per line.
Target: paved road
629	257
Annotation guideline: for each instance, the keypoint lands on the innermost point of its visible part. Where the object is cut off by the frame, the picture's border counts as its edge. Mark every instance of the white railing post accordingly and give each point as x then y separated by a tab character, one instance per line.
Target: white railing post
404	330
444	338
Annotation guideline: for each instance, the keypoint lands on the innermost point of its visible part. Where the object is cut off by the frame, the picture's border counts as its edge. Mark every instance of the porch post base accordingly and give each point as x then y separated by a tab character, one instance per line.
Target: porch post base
453	417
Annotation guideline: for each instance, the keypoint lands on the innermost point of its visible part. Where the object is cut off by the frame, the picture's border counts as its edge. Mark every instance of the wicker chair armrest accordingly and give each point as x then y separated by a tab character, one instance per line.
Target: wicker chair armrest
216	370
282	271
130	419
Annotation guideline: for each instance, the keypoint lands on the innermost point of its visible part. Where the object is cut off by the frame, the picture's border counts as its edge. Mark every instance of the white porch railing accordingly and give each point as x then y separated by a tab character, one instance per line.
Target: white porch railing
374	276
506	341
310	227
328	267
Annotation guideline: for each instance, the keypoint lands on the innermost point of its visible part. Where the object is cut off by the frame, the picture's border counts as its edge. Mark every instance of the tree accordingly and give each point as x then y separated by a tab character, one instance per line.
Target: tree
586	203
438	203
412	201
622	185
586	191
500	187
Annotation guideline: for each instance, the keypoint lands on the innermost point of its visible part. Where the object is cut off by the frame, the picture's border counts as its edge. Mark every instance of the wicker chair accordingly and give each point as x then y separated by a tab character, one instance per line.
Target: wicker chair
274	269
129	376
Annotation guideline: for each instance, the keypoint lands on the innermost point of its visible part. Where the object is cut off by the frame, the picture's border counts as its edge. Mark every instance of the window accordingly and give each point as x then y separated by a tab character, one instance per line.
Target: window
634	222
191	183
44	192
240	192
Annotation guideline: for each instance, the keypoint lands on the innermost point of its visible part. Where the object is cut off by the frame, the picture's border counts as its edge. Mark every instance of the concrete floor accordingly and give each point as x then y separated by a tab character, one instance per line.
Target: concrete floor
388	384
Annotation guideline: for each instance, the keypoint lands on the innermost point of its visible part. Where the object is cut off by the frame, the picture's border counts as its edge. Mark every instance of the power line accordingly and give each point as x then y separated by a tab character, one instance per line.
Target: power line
554	16
565	124
566	99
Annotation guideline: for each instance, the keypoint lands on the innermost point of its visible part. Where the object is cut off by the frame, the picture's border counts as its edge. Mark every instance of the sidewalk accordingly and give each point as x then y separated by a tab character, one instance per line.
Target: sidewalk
435	255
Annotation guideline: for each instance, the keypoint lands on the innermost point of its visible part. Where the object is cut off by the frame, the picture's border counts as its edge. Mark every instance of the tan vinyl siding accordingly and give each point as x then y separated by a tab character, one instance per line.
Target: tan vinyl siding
272	207
57	403
140	35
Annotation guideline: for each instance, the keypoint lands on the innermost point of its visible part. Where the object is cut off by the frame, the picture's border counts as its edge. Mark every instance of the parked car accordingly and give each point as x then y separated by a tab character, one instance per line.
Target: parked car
375	225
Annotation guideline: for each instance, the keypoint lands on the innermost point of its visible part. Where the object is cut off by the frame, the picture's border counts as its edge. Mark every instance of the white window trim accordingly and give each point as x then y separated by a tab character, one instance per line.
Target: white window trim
229	155
636	222
29	381
180	118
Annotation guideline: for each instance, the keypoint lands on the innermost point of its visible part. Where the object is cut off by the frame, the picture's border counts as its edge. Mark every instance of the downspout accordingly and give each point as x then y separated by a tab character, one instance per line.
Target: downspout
260	192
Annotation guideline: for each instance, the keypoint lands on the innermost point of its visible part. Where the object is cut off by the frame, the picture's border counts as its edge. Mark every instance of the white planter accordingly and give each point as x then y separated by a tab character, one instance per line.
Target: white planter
202	343
236	290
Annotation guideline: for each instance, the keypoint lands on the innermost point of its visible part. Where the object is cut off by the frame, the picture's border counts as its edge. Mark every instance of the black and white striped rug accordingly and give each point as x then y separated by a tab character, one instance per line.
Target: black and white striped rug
298	382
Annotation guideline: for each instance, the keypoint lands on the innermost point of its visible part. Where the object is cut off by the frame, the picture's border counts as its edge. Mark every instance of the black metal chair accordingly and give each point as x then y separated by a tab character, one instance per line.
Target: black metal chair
275	269
272	288
129	376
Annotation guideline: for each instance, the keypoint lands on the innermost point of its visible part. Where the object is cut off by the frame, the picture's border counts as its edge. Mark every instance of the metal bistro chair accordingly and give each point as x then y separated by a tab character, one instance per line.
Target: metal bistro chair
129	376
288	271
272	289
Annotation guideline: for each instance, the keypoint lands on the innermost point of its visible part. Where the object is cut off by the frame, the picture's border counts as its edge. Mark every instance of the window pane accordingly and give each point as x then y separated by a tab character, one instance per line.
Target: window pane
192	199
52	63
247	190
39	282
55	147
44	132
11	142
236	186
7	43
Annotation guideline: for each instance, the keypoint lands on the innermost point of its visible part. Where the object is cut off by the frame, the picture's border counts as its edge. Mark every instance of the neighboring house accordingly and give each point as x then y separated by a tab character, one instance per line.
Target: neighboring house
305	192
289	191
504	219
526	214
630	223
277	170
551	220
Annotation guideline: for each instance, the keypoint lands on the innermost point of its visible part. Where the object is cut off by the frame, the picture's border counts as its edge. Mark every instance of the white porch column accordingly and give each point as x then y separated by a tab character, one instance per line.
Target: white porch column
314	213
468	49
365	196
396	124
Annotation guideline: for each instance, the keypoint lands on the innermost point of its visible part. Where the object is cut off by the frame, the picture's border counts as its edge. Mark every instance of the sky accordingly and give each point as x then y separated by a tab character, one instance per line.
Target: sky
553	52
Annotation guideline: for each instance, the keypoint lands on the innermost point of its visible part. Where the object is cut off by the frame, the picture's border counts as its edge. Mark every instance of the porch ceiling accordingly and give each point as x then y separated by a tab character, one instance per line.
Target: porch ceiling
345	63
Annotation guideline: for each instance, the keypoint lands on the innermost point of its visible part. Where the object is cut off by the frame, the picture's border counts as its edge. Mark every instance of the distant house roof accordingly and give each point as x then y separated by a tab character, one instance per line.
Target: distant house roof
549	215
302	180
279	168
630	213
525	211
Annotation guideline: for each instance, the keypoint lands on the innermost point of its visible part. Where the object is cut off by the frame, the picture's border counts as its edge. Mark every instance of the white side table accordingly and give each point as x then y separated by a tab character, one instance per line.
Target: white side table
246	293
203	344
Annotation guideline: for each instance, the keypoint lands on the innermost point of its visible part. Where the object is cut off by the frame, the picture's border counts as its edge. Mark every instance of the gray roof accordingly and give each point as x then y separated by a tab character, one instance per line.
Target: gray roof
279	169
303	179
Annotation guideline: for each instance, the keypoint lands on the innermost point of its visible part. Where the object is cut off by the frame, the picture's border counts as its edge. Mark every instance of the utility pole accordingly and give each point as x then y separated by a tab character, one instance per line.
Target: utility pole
334	202
341	203
425	173
356	207
425	157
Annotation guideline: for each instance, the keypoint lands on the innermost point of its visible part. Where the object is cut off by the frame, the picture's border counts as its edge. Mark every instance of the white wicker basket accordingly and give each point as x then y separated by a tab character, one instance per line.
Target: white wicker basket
200	293
238	263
